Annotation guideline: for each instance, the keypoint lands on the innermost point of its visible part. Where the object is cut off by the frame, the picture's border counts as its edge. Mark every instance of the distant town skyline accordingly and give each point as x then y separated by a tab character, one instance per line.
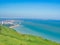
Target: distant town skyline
38	9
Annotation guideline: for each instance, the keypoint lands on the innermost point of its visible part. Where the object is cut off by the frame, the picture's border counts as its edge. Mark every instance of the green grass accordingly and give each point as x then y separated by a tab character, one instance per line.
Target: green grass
9	36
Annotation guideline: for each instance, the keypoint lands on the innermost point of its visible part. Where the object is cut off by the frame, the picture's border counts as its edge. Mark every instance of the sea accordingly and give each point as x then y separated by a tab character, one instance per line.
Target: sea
47	29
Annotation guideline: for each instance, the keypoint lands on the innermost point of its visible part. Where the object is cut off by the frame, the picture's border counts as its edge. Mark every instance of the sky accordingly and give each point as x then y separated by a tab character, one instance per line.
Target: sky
38	9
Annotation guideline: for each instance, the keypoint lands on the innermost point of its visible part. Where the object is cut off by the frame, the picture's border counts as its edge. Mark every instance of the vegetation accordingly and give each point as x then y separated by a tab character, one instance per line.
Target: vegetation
9	36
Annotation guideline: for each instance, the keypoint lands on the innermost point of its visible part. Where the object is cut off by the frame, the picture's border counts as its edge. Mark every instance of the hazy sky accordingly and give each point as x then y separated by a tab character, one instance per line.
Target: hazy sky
40	9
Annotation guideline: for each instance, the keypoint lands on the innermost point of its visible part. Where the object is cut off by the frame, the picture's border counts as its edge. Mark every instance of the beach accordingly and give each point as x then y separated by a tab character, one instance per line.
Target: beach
14	26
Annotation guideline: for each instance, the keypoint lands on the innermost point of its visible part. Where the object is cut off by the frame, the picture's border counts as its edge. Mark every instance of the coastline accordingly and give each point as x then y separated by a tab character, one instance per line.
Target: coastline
14	26
26	30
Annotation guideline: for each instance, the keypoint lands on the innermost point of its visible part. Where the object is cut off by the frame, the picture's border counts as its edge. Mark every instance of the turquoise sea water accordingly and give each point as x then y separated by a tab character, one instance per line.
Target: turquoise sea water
47	29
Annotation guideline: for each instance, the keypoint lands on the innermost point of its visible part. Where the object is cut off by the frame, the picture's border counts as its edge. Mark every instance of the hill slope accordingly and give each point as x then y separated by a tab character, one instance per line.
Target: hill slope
9	36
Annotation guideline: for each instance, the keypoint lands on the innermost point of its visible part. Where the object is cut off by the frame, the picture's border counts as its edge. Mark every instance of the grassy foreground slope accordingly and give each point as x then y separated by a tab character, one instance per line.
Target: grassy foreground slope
9	36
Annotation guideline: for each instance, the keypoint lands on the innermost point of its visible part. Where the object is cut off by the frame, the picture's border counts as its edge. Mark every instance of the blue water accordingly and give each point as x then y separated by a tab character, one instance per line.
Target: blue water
44	28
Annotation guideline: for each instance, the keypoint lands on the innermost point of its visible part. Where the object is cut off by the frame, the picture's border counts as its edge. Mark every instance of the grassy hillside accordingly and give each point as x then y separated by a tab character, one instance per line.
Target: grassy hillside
9	36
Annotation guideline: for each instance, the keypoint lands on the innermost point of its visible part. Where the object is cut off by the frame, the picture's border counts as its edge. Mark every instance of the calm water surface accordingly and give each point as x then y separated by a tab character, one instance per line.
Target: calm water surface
46	29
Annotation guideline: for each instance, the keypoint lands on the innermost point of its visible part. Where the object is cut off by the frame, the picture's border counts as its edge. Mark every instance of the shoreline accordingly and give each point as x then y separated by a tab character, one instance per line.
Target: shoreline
14	26
25	30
